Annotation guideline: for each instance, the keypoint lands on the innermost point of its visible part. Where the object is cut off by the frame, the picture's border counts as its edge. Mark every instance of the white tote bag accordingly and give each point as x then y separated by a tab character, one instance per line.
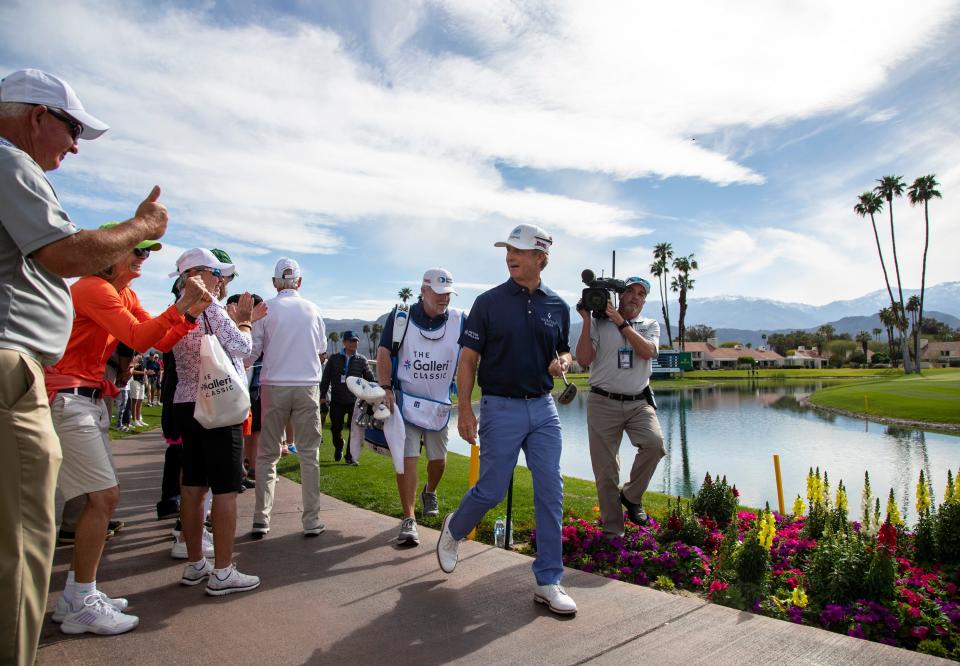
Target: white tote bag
222	395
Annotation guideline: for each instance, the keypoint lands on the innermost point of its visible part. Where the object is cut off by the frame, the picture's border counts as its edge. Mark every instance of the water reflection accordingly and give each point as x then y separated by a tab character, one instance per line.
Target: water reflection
734	429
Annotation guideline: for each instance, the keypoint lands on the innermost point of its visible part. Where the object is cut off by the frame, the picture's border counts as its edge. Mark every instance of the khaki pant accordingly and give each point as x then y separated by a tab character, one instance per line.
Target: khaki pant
607	420
29	462
301	405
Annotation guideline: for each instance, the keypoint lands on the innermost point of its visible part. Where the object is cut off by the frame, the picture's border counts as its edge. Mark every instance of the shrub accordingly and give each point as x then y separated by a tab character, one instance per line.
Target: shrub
946	532
716	500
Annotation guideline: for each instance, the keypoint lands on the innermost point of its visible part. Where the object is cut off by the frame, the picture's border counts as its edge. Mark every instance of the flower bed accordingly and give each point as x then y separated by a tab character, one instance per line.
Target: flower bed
871	580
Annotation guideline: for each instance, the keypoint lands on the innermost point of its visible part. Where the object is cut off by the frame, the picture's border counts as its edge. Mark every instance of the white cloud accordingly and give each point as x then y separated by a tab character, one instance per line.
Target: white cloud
280	138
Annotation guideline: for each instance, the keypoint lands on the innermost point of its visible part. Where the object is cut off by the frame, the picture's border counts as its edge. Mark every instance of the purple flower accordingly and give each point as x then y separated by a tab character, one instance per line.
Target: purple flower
856	631
795	614
832	614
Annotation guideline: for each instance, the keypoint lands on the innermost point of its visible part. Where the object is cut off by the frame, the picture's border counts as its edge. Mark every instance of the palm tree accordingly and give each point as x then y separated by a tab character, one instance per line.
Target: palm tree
913	307
863	338
876	333
764	338
890	187
375	332
870	203
405	294
366	332
334	337
923	189
888	321
683	283
662	255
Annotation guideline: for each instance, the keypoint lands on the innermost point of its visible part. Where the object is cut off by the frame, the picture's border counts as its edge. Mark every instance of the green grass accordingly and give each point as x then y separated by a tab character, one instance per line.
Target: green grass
150	414
796	373
933	397
373	486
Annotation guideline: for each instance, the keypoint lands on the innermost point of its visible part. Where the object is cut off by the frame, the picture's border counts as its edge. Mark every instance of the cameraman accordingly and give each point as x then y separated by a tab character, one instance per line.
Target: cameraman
620	349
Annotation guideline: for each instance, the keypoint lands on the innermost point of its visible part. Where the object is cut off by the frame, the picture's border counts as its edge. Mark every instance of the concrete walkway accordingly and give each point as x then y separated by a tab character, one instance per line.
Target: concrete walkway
351	597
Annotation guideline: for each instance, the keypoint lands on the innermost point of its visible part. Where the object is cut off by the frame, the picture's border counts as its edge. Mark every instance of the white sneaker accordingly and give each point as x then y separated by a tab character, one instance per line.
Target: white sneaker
179	550
234	582
556	599
448	548
63	608
98	617
192	575
408	533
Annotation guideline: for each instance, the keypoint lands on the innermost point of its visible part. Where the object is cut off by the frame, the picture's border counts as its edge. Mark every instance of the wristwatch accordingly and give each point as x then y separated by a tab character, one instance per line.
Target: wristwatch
623	325
386	387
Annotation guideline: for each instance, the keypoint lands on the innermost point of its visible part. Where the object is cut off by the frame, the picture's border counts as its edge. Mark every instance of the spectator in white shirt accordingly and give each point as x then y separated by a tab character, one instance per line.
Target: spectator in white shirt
293	341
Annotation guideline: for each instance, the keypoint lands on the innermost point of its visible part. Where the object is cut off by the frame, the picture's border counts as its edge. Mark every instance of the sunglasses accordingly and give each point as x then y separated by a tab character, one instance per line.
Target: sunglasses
216	271
76	129
141	253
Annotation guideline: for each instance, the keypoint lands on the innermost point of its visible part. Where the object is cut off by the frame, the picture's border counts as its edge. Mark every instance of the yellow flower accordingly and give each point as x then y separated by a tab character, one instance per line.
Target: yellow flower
811	489
892	511
841	497
798	506
923	495
766	525
799	597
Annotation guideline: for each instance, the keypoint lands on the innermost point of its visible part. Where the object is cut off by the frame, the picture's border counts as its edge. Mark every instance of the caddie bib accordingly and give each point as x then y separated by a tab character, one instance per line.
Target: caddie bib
426	368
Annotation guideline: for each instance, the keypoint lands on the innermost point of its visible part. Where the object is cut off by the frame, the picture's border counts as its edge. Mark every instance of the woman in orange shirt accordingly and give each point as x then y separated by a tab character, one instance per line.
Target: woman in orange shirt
106	310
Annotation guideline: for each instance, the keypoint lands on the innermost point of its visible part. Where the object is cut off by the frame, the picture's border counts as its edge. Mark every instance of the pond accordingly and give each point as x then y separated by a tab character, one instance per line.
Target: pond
734	428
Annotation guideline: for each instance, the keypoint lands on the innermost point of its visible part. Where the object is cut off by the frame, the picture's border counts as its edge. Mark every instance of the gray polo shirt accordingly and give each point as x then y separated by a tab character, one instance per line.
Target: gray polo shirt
605	371
36	313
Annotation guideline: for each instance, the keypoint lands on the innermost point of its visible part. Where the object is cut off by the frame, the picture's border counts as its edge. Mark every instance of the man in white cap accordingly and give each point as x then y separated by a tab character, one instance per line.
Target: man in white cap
620	347
293	341
520	330
41	121
417	368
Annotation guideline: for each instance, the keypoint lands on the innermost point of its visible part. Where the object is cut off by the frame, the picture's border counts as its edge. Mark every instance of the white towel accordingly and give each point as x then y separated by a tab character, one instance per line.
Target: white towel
393	431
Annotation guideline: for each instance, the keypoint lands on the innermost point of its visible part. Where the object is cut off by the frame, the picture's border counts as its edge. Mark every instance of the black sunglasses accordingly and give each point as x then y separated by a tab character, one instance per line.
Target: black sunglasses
76	129
141	253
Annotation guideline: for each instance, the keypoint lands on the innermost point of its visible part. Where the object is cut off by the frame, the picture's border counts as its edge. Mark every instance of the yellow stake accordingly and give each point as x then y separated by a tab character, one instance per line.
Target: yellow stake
474	474
866	404
776	470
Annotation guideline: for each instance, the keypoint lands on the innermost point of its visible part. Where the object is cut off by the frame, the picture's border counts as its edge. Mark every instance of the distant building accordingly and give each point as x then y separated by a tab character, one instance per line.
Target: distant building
708	356
805	358
940	354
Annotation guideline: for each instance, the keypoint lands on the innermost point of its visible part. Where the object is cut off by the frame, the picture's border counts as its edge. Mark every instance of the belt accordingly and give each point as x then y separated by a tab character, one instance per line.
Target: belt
85	391
522	396
618	396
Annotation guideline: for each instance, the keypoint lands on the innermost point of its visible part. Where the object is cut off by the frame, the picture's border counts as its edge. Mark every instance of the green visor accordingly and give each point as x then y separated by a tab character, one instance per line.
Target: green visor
145	245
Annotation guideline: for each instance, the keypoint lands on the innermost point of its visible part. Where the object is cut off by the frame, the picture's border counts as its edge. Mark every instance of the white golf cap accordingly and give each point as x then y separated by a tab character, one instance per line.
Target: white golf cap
528	237
286	269
200	257
32	86
440	280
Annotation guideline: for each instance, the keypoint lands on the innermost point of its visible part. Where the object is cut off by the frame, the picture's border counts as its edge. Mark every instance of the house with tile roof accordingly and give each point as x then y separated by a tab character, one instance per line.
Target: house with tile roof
709	356
940	354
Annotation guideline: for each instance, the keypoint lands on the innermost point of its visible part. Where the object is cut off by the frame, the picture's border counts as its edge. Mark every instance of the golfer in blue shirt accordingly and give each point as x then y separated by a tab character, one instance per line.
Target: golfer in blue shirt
520	330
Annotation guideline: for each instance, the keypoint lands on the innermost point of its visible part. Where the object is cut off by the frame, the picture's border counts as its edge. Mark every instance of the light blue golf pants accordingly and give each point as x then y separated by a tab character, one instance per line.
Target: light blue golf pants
506	426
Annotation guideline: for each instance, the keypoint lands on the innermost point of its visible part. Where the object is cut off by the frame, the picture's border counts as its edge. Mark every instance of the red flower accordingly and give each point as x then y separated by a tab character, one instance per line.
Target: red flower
674	523
736	493
887	538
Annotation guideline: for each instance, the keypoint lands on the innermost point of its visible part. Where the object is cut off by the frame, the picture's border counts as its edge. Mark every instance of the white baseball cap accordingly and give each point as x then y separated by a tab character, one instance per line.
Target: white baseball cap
286	269
440	280
528	237
200	257
32	86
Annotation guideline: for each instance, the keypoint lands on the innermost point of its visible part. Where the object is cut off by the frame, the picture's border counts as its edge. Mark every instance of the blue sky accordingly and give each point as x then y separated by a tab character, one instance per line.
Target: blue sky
372	140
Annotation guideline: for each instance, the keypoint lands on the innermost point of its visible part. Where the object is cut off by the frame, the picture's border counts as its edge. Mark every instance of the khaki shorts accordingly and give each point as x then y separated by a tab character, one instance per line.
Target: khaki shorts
82	425
435	442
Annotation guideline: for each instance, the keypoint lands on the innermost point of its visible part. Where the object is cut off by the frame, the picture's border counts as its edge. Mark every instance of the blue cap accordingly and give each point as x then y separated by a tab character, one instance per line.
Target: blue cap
638	280
349	335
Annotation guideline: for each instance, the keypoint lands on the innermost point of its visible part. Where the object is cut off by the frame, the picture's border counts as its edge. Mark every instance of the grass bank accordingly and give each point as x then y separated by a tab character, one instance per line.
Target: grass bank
372	485
150	414
795	373
933	397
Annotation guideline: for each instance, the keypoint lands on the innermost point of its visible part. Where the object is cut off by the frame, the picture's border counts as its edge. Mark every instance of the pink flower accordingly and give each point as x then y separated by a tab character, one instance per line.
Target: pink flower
717	586
697	581
919	632
914	612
